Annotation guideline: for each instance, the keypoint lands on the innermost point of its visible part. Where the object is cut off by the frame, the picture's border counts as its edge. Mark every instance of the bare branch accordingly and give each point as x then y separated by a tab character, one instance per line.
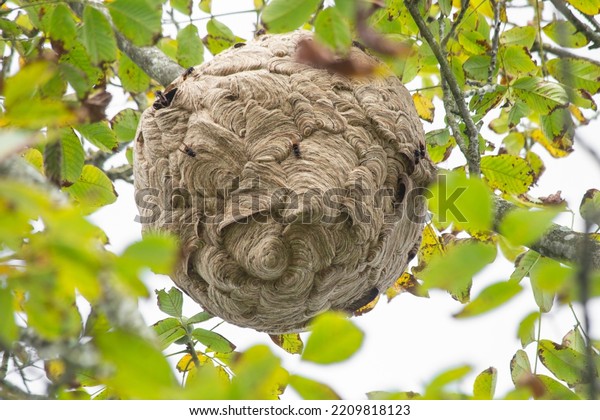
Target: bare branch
559	242
590	33
472	155
495	40
559	52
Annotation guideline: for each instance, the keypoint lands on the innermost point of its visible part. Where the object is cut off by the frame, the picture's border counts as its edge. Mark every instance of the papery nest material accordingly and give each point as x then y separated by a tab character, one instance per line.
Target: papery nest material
292	189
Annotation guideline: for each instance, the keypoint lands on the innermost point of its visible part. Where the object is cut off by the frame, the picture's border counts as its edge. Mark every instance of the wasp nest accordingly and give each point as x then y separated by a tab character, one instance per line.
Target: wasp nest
292	189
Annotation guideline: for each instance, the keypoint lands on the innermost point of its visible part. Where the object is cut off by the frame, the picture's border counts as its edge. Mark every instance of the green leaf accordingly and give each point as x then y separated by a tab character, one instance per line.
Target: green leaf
464	202
574	340
485	384
155	251
577	73
589	209
491	297
124	124
168	331
34	158
53	161
439	144
292	343
474	42
183	6
514	142
77	69
549	275
589	7
333	30
477	67
508	173
97	323
138	20
536	163
199	317
565	34
62	26
385	395
287	15
454	270
170	302
540	95
97	36
520	368
100	135
333	339
554	390
216	342
565	363
133	78
434	389
310	389
93	189
190	50
259	375
523	36
73	156
516	60
219	37
558	128
525	227
8	327
139	370
526	331
205	5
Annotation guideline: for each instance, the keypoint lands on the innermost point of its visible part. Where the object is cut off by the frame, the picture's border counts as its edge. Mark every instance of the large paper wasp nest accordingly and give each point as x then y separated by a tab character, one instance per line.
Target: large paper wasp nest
292	189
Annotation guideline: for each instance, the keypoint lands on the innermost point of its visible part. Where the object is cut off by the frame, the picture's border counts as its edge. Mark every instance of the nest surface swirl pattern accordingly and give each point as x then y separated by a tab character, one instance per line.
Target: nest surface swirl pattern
292	189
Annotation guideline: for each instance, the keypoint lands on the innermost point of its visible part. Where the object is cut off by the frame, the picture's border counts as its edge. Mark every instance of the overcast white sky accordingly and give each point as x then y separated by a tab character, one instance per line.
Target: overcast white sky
409	340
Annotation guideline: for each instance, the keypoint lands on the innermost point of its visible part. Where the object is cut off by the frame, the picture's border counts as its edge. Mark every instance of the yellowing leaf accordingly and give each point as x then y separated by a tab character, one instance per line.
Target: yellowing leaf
554	390
186	363
489	298
590	206
523	36
516	60
292	343
406	283
431	246
520	368
558	127
333	339
540	95
287	15
565	34
219	37
183	6
259	375
168	330
526	331
485	384
565	363
132	77
577	73
124	124
589	7
310	389
8	327
509	174
424	107
556	149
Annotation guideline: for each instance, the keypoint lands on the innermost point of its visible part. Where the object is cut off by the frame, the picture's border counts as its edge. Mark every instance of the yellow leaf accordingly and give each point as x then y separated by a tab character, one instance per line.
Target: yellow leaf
431	246
186	363
55	369
366	308
406	283
552	148
424	107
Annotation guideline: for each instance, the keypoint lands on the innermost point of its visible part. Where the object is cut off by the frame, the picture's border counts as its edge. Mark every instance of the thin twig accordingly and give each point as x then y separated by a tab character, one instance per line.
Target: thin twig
495	40
559	52
463	10
4	365
583	280
589	33
473	157
538	20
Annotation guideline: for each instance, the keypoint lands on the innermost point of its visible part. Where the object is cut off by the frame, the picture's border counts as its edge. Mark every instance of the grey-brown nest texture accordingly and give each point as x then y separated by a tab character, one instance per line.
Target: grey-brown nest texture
293	190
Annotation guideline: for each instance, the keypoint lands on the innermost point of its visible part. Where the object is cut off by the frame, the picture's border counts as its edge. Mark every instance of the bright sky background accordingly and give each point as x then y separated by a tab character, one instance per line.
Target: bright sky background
409	340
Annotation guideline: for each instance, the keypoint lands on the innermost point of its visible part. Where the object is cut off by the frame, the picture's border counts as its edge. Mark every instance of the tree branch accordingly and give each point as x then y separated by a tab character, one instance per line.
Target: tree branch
559	52
589	33
472	155
559	242
151	60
